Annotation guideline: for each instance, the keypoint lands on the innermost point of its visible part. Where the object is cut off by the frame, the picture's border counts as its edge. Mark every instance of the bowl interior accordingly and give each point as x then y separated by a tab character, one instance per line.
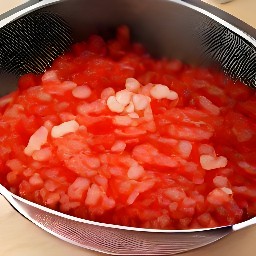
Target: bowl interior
167	28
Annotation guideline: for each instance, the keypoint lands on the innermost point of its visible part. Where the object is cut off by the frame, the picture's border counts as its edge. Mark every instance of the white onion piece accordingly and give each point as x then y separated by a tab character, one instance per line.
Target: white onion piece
209	162
227	190
160	91
82	92
132	85
107	92
140	101
114	105
64	128
36	141
130	108
123	97
50	76
118	146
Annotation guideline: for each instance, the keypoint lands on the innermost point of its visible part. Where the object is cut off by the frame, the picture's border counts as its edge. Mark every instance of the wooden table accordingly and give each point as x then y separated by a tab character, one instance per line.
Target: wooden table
242	9
19	237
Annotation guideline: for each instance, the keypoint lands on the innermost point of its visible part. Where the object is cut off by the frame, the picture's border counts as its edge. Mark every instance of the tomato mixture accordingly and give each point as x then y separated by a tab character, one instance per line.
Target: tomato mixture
110	134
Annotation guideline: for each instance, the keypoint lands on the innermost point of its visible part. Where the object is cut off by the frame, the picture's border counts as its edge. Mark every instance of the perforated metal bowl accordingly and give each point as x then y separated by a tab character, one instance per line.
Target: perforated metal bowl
167	28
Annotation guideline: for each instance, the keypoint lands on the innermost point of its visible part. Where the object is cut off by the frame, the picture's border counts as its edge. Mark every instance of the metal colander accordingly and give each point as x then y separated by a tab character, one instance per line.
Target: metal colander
112	239
159	25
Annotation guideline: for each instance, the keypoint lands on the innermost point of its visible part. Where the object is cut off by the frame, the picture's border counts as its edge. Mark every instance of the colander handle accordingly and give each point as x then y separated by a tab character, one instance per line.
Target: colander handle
244	224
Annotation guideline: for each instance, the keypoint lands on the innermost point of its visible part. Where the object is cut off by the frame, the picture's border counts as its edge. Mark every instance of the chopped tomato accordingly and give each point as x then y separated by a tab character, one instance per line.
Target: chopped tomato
110	134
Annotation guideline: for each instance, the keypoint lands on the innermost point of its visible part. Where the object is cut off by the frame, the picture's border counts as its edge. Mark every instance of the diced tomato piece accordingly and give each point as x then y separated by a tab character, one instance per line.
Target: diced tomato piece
27	81
110	134
248	108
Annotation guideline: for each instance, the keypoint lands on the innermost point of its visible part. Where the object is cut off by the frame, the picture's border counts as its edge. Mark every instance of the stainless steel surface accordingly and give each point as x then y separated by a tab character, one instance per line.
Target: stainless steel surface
31	43
161	26
113	239
167	28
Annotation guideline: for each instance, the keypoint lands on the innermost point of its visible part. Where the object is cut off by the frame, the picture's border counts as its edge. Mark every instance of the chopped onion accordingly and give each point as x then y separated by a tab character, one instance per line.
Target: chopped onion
36	141
64	128
209	162
82	92
160	91
114	105
132	85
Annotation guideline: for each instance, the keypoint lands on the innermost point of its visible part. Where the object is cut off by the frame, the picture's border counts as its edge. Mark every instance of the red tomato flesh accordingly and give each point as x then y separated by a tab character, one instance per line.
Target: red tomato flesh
110	134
